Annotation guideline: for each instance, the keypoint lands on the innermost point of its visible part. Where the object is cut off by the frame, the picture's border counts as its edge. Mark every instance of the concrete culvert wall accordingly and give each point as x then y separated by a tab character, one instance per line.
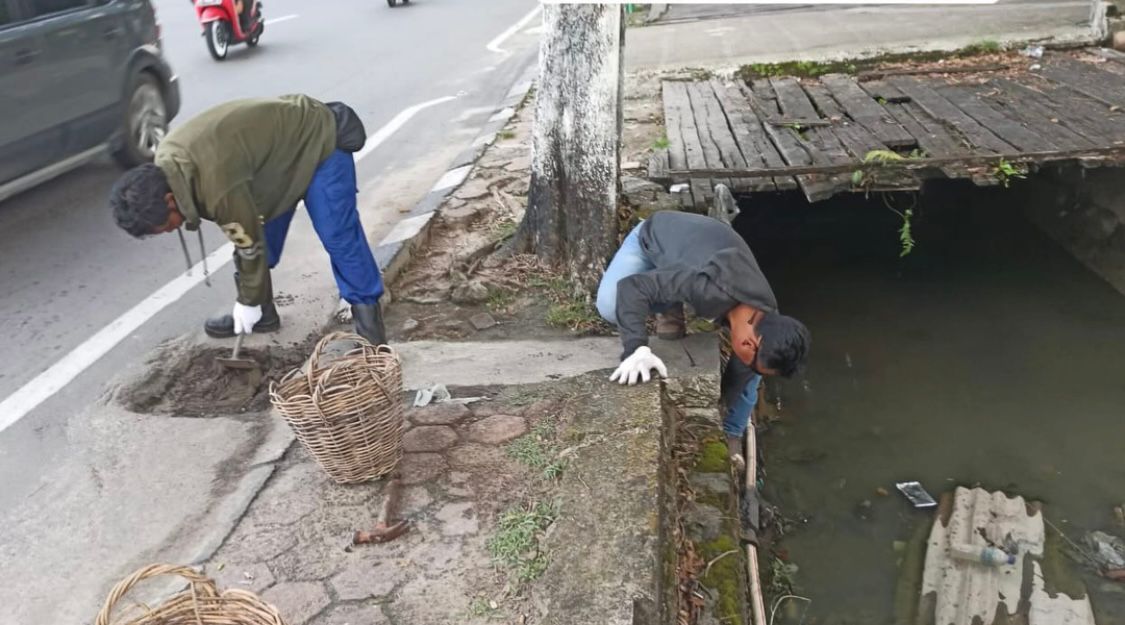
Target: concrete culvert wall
989	355
1084	211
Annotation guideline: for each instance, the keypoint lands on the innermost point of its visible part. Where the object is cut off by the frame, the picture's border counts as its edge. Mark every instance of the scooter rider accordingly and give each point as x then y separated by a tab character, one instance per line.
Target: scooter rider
245	165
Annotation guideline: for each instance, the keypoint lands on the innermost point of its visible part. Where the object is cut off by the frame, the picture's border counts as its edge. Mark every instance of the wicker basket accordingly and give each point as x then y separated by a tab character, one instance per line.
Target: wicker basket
347	412
200	603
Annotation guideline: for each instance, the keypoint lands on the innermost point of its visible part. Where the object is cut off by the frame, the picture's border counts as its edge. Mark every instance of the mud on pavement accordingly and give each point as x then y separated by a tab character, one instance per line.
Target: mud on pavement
186	381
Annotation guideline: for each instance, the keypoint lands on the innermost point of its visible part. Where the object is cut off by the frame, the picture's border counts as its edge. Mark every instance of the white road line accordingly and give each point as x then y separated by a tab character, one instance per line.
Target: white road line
452	178
283	18
494	45
397	122
17	405
35	392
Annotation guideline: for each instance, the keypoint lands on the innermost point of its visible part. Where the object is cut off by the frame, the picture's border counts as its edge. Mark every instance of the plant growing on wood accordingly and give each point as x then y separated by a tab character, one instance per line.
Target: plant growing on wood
660	143
1005	171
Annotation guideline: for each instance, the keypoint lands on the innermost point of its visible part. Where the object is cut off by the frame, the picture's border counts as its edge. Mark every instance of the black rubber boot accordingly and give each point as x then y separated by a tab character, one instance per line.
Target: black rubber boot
369	323
222	327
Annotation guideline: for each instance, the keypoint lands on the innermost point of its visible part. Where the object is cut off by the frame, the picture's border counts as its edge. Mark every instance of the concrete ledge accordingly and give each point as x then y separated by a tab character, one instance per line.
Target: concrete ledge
426	363
605	564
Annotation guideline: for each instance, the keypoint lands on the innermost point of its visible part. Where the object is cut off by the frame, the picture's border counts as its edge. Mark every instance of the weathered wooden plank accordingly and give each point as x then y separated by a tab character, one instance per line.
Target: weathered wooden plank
677	156
712	123
1008	129
855	138
1088	117
1105	87
1109	122
689	132
820	141
764	103
752	141
794	105
932	137
881	90
1113	154
862	108
858	140
1032	111
701	192
706	130
693	148
936	106
658	164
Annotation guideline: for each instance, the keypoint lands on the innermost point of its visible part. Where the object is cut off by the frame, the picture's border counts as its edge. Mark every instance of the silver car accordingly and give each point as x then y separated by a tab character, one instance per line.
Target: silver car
78	77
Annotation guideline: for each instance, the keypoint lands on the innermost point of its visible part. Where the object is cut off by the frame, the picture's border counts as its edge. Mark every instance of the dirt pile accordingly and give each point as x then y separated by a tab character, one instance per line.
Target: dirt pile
187	382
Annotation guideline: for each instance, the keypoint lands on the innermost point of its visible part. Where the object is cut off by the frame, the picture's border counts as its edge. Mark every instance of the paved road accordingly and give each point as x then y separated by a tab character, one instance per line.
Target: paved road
66	271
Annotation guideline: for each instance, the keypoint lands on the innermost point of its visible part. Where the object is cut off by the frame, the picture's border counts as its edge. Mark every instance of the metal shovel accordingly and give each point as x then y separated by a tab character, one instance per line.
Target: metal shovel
249	365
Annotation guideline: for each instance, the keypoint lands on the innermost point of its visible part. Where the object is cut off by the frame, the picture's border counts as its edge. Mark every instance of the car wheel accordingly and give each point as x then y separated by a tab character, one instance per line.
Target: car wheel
392	3
146	122
217	35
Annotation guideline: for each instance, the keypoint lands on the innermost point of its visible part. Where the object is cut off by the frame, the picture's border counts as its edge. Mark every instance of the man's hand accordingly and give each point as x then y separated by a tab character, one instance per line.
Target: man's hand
245	317
637	367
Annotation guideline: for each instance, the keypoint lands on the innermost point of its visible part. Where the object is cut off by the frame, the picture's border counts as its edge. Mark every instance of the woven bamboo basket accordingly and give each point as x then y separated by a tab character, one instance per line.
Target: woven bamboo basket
347	412
200	603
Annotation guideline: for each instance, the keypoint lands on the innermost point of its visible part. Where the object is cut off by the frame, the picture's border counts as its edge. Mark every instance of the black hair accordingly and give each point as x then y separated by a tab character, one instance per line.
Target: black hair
785	344
137	200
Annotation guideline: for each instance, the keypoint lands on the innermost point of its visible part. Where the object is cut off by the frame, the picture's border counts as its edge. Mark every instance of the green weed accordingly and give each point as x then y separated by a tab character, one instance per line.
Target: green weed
660	143
500	300
1005	172
515	545
482	607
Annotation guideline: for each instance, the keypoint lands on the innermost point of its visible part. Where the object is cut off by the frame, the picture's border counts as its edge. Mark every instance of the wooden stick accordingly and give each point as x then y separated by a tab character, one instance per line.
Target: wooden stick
915	71
908	164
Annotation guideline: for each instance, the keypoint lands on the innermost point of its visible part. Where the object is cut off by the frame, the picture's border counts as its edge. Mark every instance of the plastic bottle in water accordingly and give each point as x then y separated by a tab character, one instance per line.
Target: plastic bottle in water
988	556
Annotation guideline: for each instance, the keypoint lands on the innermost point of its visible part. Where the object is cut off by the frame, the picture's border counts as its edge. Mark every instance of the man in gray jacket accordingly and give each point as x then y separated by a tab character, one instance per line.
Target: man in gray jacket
676	258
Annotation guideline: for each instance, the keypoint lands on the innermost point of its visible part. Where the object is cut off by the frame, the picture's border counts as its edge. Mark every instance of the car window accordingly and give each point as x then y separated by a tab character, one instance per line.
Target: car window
40	8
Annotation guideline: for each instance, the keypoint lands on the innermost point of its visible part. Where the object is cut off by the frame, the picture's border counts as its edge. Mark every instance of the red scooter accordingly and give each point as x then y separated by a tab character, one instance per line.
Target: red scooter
224	25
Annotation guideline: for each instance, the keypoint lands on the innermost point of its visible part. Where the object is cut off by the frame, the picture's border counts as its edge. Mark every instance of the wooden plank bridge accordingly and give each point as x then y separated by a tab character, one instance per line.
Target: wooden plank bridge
897	126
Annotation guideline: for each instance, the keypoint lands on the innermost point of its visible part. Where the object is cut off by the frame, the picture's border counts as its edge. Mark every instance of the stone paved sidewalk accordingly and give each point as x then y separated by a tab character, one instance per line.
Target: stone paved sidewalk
294	544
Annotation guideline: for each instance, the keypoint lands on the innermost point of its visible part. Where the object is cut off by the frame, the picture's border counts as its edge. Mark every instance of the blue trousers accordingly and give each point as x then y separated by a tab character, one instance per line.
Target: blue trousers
631	259
331	202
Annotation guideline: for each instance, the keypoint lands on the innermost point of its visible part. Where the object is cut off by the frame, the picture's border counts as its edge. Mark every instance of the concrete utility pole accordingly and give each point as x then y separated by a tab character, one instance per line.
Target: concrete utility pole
571	219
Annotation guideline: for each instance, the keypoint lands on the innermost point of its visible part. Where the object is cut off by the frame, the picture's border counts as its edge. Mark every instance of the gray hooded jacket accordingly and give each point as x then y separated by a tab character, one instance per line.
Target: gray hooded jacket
699	261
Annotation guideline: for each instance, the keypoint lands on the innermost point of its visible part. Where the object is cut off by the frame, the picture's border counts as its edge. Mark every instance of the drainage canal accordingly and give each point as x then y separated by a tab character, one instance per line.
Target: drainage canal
986	356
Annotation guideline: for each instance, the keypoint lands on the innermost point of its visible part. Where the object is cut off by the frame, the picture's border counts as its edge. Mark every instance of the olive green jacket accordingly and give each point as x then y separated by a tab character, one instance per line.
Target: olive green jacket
241	164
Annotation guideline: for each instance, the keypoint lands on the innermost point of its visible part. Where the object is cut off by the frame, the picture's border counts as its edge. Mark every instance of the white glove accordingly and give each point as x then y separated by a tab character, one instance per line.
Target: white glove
245	317
637	367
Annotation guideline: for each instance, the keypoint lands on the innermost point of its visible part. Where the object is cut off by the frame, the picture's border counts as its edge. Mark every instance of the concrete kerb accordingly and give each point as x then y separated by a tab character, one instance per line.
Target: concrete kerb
396	249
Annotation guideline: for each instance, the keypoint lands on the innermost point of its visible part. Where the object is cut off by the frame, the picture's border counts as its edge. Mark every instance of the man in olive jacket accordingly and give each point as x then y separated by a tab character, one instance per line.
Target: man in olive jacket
245	165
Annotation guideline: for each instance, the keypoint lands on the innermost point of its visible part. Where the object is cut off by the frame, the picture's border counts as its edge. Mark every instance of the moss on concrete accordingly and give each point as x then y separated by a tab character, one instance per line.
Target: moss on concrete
713	457
813	69
724	577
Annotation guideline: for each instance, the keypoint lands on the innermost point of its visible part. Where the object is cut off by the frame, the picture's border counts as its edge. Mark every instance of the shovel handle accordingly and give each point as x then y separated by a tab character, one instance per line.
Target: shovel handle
237	346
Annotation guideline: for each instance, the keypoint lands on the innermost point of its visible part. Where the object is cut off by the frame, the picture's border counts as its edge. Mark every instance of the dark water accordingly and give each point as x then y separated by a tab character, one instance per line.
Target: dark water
987	356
